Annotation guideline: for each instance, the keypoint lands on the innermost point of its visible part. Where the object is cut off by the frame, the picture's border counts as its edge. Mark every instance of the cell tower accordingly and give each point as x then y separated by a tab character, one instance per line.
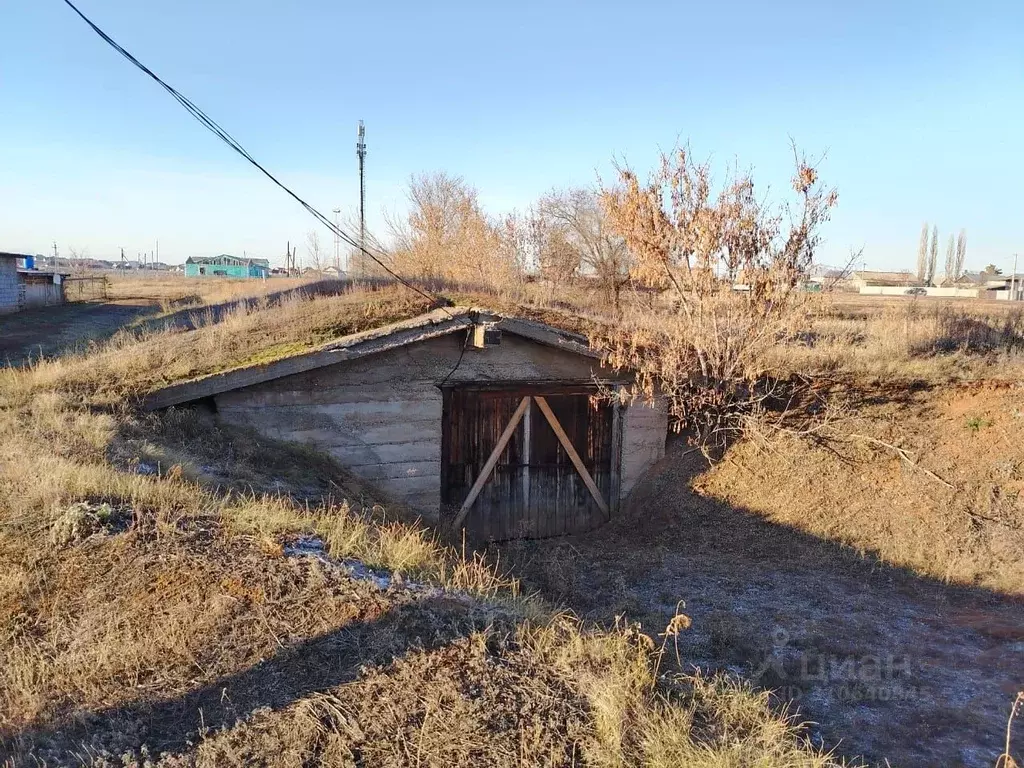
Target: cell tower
361	154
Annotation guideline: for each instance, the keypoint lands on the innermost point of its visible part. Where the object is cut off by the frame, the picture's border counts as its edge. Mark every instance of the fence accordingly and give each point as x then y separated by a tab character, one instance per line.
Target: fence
85	288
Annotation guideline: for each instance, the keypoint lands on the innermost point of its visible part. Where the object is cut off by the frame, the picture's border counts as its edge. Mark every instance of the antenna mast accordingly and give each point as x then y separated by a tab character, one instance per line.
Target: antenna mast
361	154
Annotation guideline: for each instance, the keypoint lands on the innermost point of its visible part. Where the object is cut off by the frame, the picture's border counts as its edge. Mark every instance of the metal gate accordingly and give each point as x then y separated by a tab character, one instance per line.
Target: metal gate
528	462
85	288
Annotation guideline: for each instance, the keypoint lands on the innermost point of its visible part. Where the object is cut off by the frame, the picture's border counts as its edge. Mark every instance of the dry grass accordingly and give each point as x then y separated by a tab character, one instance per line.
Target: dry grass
123	591
929	478
175	288
148	598
907	340
136	361
541	695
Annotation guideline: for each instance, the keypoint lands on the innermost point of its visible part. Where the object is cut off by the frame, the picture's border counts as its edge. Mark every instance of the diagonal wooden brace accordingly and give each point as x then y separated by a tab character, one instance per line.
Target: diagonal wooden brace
491	462
573	456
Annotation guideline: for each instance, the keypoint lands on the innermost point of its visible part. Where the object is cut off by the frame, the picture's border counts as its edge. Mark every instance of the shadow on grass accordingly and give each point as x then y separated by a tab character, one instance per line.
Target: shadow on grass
320	663
47	332
892	663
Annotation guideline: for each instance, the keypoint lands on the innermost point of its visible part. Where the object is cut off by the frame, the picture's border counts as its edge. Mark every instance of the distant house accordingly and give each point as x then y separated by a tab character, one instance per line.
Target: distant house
1007	287
226	266
964	280
335	273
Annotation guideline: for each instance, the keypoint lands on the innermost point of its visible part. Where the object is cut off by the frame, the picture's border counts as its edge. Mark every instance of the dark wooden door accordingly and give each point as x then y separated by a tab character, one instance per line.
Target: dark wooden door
534	488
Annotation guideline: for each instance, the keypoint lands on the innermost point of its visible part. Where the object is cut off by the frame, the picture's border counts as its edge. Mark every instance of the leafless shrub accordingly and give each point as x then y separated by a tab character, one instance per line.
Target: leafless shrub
732	266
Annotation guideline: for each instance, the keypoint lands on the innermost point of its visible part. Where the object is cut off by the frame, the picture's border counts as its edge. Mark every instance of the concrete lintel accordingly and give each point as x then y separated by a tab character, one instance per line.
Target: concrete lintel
545	334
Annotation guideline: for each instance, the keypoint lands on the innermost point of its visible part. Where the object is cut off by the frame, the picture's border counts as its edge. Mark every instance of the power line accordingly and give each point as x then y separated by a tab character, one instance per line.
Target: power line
211	125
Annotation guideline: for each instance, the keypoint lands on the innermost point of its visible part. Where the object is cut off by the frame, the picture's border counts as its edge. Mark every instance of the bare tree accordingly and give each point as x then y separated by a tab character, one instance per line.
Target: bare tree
315	251
922	254
517	235
950	260
357	264
559	257
77	260
961	253
581	240
933	257
708	353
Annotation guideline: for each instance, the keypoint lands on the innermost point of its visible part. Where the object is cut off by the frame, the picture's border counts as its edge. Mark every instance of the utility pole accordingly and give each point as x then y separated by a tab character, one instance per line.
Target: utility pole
361	154
337	241
289	259
1013	280
56	258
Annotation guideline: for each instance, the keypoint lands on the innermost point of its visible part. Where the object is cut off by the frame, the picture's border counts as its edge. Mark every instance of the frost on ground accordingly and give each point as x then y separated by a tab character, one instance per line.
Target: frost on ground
313	546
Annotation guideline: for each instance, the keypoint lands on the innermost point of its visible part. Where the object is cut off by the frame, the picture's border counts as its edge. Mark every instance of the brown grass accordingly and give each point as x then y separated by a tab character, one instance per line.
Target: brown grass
136	361
907	340
175	288
147	597
123	591
930	478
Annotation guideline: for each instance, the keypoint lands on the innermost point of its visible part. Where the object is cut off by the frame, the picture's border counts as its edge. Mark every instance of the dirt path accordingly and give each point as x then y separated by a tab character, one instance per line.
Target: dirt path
54	330
887	664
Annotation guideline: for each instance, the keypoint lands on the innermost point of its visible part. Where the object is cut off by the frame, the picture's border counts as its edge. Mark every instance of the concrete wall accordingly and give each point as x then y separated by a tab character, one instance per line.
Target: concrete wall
955	293
949	293
644	433
8	285
381	415
884	290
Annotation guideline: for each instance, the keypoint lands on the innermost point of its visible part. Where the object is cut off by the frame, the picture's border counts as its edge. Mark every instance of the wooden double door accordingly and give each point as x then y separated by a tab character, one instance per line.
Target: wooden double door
528	461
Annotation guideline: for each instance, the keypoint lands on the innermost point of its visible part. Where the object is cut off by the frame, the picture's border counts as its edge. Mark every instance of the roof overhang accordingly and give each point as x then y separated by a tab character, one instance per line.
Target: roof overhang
439	322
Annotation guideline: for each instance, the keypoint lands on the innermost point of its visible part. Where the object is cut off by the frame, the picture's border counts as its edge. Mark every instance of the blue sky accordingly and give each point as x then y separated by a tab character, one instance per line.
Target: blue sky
919	106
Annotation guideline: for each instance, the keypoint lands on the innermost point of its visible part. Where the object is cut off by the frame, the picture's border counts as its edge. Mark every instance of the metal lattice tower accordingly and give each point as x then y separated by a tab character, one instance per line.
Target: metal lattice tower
361	154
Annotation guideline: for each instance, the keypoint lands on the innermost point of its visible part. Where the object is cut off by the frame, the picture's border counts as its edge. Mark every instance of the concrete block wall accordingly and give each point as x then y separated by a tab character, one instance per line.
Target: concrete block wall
8	285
